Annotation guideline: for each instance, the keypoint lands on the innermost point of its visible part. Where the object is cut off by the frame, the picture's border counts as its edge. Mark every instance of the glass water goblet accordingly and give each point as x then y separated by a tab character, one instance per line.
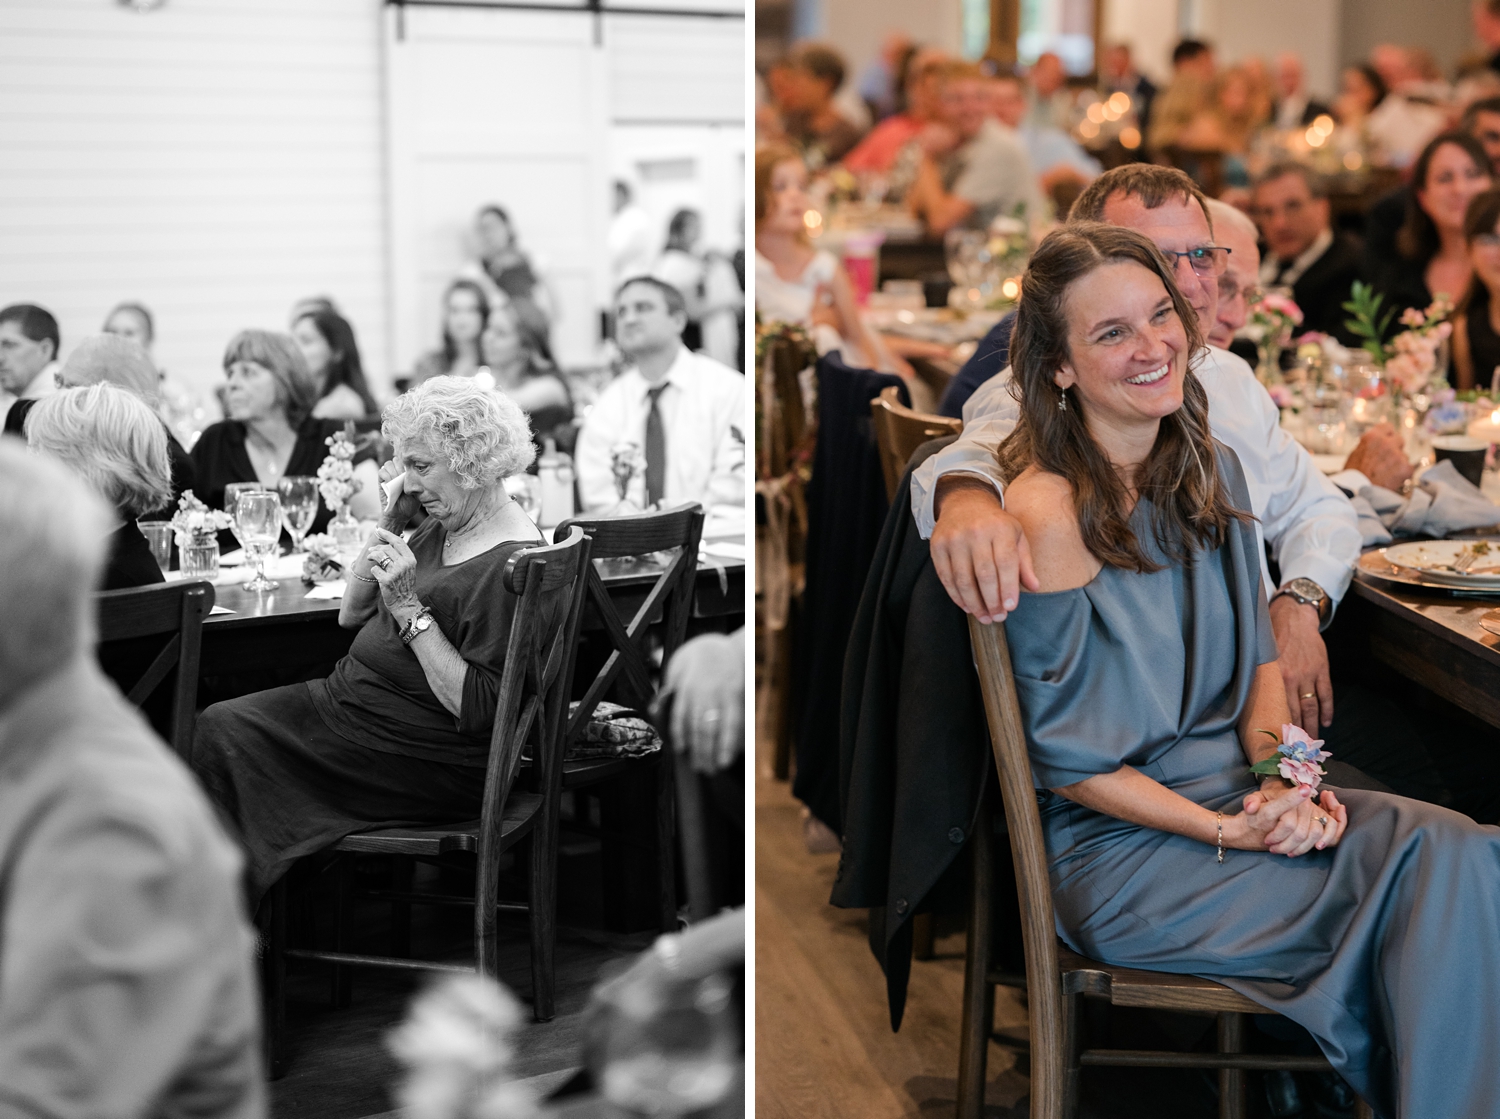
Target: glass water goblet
231	500
258	517
299	505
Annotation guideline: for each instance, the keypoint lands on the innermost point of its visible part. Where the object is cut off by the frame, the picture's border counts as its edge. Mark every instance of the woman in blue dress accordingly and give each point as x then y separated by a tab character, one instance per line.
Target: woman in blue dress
1146	670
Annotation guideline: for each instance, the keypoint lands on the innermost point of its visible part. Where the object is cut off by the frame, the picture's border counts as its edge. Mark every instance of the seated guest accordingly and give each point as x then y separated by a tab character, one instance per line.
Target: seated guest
1187	96
880	85
879	151
28	356
1476	322
129	988
1294	107
1051	104
684	412
810	121
502	262
1361	88
118	445
1290	204
327	343
271	431
796	283
516	353
465	309
133	322
1160	840
1117	74
986	175
401	730
1239	282
1055	156
1431	256
1407	118
681	265
111	358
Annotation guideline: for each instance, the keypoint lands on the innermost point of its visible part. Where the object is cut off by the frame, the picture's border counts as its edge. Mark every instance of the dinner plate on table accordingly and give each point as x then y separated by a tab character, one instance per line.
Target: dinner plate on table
1375	564
1436	560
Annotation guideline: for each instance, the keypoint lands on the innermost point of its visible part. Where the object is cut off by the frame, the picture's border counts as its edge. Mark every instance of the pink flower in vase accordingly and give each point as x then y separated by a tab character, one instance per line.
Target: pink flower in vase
1413	317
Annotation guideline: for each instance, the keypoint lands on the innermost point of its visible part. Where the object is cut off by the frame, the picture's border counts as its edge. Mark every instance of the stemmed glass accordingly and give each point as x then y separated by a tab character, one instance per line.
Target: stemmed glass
299	505
257	517
231	501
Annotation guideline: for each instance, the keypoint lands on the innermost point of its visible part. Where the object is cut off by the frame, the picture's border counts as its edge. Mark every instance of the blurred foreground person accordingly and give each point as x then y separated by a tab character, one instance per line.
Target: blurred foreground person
125	960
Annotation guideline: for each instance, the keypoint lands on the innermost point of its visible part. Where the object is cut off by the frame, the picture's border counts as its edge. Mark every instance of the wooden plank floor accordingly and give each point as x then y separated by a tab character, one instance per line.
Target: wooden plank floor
823	1042
340	1068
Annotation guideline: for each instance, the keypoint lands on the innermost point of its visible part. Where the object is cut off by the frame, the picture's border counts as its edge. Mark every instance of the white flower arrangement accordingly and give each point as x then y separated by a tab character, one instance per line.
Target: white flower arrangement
458	1044
336	480
194	520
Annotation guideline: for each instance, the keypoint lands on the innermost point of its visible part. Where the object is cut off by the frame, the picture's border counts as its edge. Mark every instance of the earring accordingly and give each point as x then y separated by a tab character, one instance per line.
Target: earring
1062	400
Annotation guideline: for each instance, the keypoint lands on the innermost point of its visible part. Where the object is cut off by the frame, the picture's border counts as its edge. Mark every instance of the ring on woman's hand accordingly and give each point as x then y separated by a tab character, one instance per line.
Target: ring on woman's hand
1323	820
1309	695
709	717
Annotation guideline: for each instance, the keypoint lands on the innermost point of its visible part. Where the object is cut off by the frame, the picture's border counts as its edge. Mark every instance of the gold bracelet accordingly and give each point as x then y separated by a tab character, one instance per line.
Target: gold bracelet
1221	837
356	575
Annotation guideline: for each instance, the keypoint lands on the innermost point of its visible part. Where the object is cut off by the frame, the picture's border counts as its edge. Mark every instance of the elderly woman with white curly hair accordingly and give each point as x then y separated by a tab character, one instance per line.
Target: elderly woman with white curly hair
113	440
400	731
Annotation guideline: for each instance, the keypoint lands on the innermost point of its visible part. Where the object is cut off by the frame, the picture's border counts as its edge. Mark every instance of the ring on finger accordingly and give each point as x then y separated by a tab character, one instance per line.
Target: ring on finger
1309	695
1323	820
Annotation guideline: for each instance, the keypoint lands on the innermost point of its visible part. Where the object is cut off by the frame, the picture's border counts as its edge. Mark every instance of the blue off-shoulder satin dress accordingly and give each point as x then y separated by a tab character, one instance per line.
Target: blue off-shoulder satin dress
1386	947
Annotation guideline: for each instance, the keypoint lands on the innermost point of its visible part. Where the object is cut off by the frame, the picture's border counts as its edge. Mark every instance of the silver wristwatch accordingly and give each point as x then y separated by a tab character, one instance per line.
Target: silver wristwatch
420	622
1307	593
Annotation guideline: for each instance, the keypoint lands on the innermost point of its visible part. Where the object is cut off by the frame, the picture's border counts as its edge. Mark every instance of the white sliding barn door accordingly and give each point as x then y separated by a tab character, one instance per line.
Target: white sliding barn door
501	106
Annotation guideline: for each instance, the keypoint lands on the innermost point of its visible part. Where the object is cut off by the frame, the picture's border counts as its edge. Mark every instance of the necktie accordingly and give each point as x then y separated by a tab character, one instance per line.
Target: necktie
656	448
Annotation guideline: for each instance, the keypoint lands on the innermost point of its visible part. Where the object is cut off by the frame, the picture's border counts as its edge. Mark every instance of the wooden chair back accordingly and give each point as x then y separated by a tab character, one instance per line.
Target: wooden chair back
1002	709
899	431
548	584
628	670
172	614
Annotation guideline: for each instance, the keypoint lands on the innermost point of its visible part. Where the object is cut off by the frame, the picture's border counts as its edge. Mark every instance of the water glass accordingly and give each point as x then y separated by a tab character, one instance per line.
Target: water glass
299	505
257	517
158	535
231	499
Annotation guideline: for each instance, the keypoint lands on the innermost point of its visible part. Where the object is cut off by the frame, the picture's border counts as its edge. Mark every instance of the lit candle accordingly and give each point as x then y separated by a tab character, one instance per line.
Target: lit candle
1487	430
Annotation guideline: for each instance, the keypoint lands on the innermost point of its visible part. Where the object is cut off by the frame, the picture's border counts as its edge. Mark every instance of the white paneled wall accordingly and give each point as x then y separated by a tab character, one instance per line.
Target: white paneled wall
215	159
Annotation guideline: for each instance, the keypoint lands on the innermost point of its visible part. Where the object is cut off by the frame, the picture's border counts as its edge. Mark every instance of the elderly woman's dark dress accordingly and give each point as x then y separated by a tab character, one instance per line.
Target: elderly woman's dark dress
1387	944
296	769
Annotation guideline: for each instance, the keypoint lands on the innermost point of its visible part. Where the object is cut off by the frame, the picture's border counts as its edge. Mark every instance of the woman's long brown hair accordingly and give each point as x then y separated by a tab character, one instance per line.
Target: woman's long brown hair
1190	506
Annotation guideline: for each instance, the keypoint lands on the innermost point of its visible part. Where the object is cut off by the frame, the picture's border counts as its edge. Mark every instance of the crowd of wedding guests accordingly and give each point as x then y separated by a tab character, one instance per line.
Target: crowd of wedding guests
962	144
142	438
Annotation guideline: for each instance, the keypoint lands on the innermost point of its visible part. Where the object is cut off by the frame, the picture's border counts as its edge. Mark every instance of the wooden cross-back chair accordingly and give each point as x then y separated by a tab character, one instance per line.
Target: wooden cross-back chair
530	710
899	431
628	675
1057	979
163	622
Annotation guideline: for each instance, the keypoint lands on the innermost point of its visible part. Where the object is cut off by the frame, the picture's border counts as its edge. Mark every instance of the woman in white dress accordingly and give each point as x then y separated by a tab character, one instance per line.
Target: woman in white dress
796	282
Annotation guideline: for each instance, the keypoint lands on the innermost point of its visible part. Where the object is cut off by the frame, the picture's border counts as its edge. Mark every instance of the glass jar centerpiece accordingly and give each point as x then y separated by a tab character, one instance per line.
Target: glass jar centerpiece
196	528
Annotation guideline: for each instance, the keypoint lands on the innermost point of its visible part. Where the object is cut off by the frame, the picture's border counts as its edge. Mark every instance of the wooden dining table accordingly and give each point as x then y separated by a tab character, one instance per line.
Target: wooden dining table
285	632
1431	638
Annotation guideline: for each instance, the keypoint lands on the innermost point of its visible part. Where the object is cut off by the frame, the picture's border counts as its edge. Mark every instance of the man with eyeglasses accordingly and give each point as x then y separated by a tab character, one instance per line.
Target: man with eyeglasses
979	550
1290	204
28	354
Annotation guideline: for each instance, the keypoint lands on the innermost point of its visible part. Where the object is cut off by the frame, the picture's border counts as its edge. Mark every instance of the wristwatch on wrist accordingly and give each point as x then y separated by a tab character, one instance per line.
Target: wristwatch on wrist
420	622
1307	593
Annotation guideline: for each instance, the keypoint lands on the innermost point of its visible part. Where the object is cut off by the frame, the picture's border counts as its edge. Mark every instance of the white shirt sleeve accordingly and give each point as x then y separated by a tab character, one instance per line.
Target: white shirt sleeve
1310	525
989	416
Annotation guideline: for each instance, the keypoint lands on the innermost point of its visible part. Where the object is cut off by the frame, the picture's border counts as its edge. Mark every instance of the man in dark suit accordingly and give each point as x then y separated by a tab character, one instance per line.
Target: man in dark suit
1290	205
1294	108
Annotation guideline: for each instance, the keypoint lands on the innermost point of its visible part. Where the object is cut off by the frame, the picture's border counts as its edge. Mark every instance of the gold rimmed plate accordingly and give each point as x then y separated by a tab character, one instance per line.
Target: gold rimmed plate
1375	564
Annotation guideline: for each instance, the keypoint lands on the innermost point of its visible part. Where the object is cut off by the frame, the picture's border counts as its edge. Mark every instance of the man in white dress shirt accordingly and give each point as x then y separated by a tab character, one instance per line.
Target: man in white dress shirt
28	354
980	551
684	412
